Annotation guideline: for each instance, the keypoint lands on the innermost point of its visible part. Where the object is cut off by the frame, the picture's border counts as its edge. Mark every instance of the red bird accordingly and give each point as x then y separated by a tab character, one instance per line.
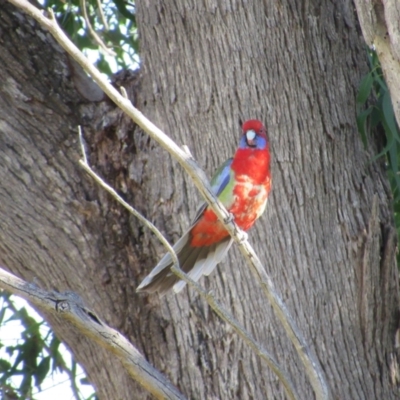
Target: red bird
242	184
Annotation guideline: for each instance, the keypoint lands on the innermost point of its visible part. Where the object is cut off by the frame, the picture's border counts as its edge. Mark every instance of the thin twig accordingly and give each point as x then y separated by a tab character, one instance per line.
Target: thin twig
102	16
82	143
219	310
120	200
92	32
187	150
242	332
311	364
123	91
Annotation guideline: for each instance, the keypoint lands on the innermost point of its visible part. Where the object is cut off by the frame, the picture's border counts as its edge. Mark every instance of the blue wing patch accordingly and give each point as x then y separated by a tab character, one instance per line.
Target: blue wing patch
221	177
218	184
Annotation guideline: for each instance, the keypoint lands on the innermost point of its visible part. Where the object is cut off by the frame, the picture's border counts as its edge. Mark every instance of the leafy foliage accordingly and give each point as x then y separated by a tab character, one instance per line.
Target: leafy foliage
114	23
375	110
31	358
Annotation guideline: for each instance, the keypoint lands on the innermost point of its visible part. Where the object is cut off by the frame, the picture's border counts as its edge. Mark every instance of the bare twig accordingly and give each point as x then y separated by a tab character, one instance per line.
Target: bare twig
92	32
187	150
109	189
310	362
123	91
82	143
242	332
102	16
219	310
70	307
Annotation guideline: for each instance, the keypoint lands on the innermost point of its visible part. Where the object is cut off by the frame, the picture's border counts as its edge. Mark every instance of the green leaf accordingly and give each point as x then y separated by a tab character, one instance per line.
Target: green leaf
121	6
361	122
56	357
376	117
85	42
4	365
364	89
10	350
393	156
103	66
26	384
388	114
2	314
378	79
390	142
54	344
42	370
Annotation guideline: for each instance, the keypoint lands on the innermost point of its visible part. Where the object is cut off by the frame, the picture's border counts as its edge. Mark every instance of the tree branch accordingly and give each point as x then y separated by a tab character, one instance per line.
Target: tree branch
310	362
70	307
94	34
219	310
85	165
241	331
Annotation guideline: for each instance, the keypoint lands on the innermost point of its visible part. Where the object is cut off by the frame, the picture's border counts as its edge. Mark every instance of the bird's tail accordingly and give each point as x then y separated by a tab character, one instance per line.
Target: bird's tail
195	261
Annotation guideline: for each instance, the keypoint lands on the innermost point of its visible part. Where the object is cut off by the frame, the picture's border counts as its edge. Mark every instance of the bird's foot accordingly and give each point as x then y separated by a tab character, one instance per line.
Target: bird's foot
230	218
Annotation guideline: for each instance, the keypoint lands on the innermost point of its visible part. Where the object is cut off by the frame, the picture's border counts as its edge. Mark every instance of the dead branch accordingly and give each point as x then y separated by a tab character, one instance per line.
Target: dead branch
309	360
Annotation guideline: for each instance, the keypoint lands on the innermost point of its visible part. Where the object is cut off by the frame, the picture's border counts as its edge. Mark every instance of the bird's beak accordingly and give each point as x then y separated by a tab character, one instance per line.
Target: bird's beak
250	136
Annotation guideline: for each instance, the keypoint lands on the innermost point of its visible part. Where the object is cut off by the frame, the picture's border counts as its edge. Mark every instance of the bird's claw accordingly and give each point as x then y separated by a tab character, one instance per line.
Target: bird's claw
229	219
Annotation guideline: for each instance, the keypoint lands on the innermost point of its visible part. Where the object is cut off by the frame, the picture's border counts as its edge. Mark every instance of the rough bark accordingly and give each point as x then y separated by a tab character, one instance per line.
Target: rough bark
51	216
327	237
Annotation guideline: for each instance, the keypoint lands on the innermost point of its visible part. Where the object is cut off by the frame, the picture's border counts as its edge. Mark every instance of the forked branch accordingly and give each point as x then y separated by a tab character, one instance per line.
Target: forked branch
218	309
310	362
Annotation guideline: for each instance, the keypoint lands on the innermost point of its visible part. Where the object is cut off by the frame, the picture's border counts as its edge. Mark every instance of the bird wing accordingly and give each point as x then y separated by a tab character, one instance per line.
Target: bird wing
219	182
195	261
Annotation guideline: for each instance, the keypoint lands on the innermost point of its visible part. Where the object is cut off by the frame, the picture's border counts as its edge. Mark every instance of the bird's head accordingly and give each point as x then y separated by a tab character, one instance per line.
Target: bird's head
254	135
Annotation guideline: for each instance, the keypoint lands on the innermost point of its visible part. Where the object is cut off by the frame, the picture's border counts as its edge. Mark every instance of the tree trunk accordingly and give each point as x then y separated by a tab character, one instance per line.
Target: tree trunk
327	238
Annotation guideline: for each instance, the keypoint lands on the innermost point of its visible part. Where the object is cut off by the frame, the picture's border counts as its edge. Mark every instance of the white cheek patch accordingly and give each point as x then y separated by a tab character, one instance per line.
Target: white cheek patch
250	135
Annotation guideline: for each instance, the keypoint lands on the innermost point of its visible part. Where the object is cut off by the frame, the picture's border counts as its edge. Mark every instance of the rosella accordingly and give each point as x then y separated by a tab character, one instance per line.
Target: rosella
242	184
